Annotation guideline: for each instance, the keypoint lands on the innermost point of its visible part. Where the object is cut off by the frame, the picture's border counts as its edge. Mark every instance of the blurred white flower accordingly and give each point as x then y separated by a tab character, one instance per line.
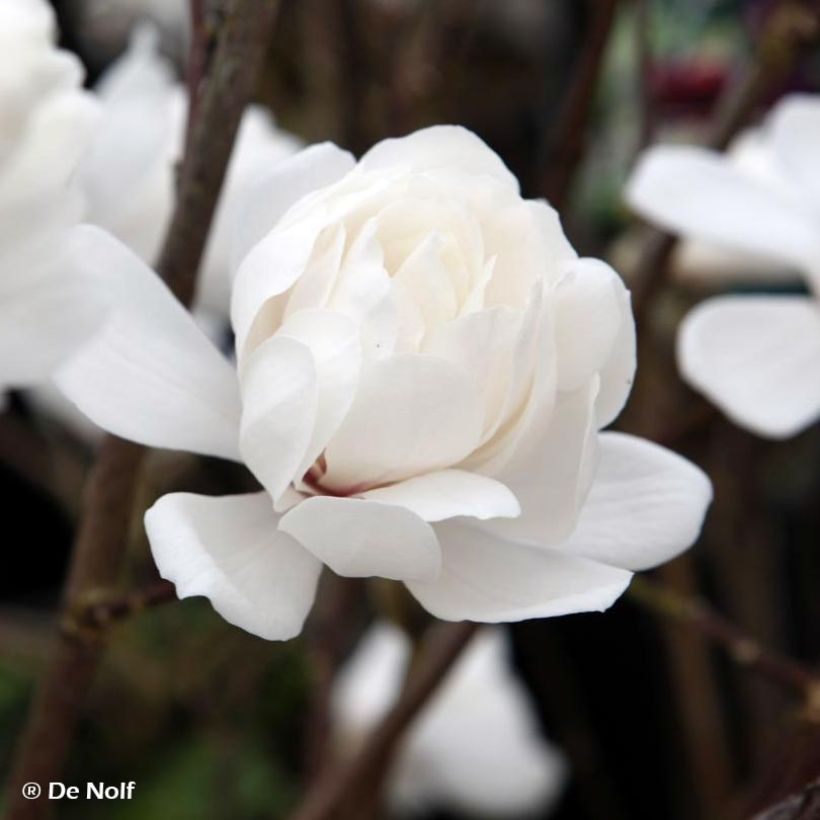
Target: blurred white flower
424	365
475	748
136	148
45	120
754	356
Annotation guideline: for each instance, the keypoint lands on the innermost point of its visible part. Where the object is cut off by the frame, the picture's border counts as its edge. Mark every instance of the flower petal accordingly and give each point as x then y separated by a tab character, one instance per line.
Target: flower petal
359	538
287	182
333	340
696	192
279	400
412	414
229	550
590	322
795	131
484	578
552	470
645	506
44	316
151	375
449	493
440	146
756	357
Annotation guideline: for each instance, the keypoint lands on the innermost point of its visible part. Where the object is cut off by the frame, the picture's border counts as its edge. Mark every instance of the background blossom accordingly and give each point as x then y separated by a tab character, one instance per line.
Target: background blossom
45	120
753	356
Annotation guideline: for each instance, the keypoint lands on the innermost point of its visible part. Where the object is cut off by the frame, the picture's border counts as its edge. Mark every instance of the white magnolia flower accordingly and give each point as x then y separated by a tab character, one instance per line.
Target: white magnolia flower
424	365
45	119
136	148
475	748
756	357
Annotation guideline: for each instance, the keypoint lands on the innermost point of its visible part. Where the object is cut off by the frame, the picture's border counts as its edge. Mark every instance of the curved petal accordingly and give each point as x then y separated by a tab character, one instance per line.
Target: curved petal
484	578
264	203
274	264
594	331
44	316
795	131
412	414
229	550
359	538
279	400
645	506
450	493
150	375
756	358
695	192
440	146
552	472
618	372
333	340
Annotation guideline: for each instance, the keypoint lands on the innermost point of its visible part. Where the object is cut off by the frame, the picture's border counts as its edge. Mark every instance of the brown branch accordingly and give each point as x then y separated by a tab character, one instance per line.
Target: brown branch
791	29
112	485
568	140
742	648
333	795
96	610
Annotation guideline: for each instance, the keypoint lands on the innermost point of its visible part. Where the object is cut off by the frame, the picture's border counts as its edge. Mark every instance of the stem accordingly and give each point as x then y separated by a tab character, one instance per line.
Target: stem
742	648
101	542
568	140
333	793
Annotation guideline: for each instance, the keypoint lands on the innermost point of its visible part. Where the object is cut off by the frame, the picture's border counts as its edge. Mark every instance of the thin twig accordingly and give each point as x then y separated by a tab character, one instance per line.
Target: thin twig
742	648
112	486
332	795
568	142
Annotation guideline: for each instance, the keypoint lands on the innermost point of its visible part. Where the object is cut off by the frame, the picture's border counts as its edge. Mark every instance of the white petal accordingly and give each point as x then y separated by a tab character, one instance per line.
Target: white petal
757	358
412	414
229	550
618	372
440	146
449	493
46	315
484	578
334	342
795	128
279	399
696	192
552	471
359	538
645	506
267	271
588	321
151	375
287	182
135	146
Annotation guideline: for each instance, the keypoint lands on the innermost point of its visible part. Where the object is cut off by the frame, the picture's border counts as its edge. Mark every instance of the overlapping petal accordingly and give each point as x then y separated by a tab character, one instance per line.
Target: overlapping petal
230	550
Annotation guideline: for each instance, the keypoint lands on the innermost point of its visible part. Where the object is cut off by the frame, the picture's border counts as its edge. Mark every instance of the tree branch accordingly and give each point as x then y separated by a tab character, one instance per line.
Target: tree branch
742	648
112	485
333	795
568	142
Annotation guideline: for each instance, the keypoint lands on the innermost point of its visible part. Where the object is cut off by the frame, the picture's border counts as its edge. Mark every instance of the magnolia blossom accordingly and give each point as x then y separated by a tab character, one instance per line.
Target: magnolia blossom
475	748
755	356
423	368
136	148
45	119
